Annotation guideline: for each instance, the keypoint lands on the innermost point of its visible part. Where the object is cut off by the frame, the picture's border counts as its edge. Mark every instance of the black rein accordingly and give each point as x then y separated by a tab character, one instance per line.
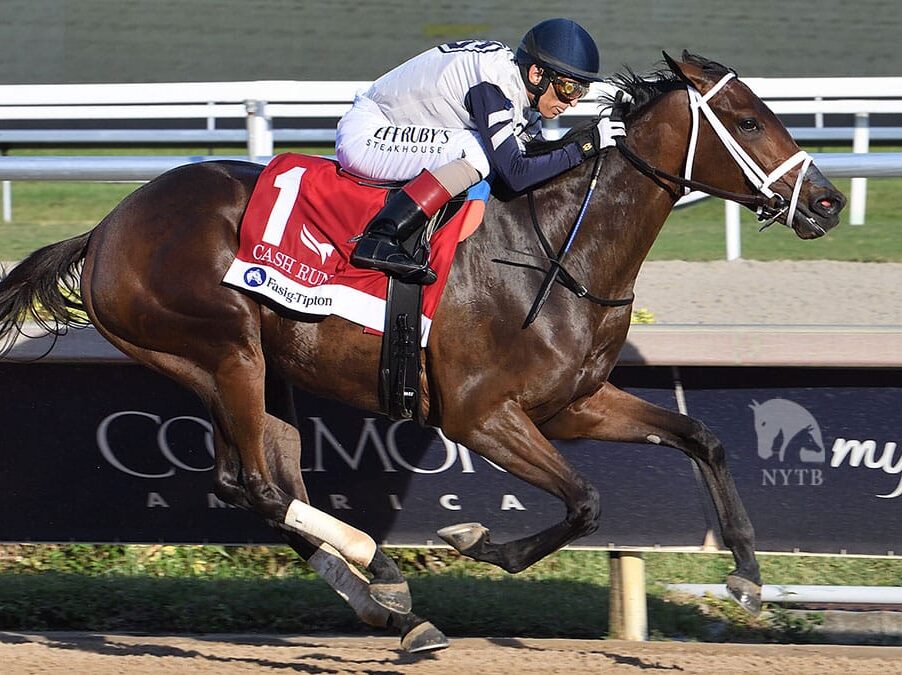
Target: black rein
558	273
759	202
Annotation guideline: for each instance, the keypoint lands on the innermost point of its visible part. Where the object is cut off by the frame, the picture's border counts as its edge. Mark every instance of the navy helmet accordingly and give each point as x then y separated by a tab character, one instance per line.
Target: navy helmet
563	46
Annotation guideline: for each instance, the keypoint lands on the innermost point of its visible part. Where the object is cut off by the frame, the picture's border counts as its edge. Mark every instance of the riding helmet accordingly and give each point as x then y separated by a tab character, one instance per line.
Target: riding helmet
563	46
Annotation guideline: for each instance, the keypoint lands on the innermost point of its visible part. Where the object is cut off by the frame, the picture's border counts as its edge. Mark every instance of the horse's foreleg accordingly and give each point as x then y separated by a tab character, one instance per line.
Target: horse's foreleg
509	439
614	415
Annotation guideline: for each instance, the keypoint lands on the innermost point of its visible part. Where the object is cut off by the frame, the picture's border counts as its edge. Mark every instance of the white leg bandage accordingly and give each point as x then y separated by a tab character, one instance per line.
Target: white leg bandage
354	545
350	584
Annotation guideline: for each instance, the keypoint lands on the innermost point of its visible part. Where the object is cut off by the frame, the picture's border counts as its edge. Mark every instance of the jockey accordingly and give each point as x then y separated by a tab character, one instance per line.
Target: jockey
446	119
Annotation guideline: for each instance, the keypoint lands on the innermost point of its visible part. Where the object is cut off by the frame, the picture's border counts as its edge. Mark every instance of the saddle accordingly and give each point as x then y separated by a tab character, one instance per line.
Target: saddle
400	368
294	246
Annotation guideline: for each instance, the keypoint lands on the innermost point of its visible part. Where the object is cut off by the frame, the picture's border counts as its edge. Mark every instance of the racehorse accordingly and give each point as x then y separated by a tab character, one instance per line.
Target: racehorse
499	388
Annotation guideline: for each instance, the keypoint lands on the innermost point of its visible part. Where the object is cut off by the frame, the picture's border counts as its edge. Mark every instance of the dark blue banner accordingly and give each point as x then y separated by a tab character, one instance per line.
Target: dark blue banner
105	453
814	452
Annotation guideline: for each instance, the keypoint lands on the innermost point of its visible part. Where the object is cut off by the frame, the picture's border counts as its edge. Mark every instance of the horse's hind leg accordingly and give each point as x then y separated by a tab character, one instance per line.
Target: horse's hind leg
238	410
230	382
614	415
283	446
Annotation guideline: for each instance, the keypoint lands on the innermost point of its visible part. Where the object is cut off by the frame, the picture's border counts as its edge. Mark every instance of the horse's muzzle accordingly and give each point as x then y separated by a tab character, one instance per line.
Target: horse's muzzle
819	212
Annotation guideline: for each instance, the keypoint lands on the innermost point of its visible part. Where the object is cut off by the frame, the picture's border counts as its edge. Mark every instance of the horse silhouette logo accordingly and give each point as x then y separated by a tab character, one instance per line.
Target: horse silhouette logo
784	425
255	276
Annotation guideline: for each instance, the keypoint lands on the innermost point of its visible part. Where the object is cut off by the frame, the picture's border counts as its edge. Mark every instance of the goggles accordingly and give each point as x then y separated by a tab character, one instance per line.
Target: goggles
568	90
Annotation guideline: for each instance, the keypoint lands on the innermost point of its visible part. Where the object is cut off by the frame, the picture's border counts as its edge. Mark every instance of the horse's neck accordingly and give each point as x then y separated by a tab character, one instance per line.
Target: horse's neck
621	223
620	226
630	209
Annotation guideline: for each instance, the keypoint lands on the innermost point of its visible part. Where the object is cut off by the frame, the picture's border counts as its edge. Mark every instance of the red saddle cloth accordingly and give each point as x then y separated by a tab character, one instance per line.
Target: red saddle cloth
295	243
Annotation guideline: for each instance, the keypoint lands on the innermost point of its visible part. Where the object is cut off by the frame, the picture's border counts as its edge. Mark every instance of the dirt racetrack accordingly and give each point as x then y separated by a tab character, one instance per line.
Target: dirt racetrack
107	654
751	292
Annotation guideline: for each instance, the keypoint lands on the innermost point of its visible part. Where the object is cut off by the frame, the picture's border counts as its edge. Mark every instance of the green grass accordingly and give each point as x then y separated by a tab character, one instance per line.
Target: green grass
697	232
268	589
45	212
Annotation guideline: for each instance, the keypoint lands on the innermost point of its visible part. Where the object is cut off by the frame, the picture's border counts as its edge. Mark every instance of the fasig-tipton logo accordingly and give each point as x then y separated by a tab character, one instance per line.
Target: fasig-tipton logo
789	434
255	276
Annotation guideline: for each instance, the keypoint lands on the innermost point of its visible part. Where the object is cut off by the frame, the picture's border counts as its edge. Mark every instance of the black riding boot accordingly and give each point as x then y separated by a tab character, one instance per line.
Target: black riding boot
405	214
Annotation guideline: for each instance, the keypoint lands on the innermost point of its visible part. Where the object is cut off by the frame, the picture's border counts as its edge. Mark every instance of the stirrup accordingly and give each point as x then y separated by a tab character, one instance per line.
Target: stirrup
388	255
424	276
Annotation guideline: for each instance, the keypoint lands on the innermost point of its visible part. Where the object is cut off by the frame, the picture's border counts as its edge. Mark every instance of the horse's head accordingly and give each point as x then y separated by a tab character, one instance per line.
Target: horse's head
737	144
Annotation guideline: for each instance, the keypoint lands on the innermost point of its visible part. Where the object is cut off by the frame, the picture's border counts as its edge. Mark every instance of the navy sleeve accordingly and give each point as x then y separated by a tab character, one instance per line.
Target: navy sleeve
492	114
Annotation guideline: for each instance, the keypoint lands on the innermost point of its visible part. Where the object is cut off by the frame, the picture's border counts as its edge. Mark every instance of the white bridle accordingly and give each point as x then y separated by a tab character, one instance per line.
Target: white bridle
757	176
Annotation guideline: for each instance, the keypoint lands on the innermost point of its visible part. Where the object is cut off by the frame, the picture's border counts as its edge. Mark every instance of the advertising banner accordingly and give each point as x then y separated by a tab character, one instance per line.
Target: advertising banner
116	453
813	451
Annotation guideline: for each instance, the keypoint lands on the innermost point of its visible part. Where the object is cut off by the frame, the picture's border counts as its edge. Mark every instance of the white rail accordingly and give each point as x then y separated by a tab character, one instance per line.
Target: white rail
858	595
306	104
141	168
114	167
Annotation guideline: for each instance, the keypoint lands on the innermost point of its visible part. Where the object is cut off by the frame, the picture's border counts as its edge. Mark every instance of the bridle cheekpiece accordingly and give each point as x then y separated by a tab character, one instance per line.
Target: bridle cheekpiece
760	179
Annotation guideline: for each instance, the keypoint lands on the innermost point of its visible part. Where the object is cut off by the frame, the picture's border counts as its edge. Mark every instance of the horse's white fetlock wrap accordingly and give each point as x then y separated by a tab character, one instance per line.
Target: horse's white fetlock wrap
354	545
349	583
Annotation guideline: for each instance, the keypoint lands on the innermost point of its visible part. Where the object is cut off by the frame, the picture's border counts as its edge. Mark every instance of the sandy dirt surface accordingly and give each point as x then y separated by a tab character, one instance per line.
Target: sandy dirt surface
108	654
818	292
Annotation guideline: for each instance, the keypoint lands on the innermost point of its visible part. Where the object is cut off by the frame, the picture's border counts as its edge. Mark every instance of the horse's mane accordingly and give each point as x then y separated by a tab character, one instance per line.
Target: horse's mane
641	90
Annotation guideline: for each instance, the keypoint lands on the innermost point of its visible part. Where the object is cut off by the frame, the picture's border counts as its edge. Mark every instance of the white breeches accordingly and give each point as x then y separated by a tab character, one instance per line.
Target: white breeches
368	144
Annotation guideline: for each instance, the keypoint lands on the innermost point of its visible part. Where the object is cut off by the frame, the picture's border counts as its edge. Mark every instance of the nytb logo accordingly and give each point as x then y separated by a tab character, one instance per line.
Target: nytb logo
788	435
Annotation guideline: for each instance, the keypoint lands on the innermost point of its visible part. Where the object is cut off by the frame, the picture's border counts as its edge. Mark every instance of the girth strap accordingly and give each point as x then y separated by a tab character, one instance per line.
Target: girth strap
399	368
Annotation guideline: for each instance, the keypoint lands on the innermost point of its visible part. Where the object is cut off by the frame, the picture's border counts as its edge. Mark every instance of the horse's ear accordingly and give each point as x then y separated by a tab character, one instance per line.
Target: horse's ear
687	71
672	63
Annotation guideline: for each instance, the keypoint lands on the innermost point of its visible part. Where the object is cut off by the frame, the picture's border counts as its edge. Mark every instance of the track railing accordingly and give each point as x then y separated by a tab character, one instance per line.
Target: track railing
260	114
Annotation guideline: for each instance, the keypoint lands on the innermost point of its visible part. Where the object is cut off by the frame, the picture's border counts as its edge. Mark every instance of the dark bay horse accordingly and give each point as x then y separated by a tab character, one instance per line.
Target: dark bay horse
498	388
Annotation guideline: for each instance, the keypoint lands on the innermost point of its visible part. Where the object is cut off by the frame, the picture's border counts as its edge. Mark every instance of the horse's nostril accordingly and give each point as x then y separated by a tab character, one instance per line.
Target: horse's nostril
827	204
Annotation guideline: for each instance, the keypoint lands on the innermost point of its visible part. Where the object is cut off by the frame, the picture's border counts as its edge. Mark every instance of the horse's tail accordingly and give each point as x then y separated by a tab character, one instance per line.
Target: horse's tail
44	288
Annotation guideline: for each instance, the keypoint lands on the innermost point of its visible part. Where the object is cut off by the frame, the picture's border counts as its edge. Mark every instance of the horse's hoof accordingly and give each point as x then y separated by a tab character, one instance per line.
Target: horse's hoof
395	596
463	536
746	593
423	637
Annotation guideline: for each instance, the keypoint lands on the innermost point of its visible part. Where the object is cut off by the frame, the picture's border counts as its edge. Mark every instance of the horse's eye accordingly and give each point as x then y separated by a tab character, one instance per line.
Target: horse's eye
749	124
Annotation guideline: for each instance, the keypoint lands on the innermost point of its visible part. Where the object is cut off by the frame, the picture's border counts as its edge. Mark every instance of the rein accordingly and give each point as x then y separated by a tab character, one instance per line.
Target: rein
768	205
659	176
557	272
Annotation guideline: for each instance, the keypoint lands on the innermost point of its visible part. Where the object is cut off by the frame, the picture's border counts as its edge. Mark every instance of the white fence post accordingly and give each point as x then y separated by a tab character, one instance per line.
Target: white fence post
627	610
7	202
259	130
859	193
734	235
551	129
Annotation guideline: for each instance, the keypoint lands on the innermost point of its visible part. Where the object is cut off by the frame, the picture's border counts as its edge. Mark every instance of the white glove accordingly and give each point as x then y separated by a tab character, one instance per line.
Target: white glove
608	131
